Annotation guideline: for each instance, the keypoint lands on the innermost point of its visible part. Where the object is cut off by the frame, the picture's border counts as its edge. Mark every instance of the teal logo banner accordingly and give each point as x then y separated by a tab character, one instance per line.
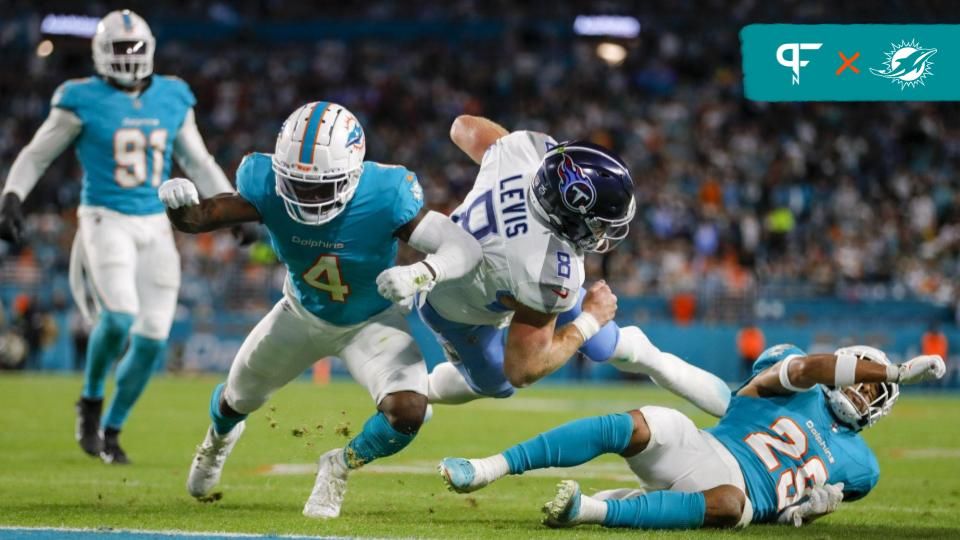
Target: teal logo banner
851	62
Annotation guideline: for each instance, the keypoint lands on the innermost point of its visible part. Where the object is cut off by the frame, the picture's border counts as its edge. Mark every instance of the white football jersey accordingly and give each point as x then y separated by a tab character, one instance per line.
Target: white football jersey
522	258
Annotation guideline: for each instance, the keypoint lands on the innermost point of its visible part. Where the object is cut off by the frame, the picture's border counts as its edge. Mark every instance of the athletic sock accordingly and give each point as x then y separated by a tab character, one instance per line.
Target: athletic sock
222	423
636	354
591	510
573	443
446	385
489	469
377	439
133	373
105	345
657	510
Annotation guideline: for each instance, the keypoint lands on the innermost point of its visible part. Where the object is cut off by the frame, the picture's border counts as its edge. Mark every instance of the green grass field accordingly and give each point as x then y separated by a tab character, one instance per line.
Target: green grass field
47	481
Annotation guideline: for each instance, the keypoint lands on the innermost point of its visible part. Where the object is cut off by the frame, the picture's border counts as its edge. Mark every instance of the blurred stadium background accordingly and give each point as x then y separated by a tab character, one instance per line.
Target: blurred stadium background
819	224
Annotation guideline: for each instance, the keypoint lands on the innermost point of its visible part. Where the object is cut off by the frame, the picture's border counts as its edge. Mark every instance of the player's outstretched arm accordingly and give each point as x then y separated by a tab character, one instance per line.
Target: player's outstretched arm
53	137
192	155
452	254
801	373
536	348
474	134
190	214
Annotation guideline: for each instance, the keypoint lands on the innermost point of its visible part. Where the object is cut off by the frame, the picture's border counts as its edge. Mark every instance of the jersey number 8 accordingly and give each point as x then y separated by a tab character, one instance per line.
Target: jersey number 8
130	146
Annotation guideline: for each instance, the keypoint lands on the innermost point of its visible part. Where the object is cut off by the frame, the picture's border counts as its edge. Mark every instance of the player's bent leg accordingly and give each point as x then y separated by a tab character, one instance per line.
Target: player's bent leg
383	357
635	353
475	361
277	350
568	445
133	373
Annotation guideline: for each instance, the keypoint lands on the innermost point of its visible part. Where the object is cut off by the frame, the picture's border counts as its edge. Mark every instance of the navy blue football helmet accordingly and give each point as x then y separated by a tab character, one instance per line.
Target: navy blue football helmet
586	194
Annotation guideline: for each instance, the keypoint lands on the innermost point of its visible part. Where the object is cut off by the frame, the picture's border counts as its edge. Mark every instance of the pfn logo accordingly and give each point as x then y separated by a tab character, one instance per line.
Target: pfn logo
794	62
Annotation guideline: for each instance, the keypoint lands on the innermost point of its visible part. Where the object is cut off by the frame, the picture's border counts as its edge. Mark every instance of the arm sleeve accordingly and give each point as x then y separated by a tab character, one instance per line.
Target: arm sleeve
453	252
55	134
192	155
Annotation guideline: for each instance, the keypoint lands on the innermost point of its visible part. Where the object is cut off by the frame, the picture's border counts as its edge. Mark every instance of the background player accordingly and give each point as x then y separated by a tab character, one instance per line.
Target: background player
536	207
127	123
334	221
788	449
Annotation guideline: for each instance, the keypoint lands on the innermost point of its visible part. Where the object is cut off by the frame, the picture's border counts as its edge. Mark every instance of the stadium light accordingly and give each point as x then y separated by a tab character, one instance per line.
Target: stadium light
69	25
612	53
45	48
617	26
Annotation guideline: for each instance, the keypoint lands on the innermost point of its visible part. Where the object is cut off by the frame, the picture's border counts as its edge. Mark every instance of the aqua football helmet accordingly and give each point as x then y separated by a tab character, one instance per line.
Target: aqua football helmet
852	405
318	161
123	48
585	192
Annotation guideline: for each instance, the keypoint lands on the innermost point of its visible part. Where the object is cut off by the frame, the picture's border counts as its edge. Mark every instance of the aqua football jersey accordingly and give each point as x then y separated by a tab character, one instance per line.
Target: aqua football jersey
126	143
784	444
333	267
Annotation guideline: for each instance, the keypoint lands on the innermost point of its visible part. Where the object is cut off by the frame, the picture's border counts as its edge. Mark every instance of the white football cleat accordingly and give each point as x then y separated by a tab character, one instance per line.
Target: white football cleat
208	462
329	488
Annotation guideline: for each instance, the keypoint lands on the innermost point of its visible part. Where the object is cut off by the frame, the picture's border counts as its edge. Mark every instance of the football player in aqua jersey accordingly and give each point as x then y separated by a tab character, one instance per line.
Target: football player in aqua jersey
334	221
126	123
537	206
788	449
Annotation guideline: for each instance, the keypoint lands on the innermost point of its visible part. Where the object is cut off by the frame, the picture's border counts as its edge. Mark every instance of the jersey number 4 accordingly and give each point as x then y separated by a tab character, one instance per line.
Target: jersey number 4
325	275
130	147
790	442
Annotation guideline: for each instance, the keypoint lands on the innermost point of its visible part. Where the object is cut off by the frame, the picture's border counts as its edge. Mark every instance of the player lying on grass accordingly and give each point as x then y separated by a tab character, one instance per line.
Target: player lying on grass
334	221
788	449
537	206
127	123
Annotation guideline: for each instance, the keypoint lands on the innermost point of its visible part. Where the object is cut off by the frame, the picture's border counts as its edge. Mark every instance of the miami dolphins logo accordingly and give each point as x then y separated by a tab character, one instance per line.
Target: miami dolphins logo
576	189
907	64
355	137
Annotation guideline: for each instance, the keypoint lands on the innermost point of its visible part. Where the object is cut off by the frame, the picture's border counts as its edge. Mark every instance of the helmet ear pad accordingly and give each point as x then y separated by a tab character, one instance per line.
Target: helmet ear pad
585	192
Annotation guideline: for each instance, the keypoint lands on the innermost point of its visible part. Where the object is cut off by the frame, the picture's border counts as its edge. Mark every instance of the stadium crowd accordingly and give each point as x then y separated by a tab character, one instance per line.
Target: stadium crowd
735	198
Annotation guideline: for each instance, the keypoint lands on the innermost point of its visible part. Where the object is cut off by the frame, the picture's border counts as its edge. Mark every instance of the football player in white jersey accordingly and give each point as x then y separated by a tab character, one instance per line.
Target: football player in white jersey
126	123
537	206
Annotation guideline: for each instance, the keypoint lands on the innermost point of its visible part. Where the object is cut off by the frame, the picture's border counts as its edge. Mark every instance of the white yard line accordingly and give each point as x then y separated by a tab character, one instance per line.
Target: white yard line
173	533
604	471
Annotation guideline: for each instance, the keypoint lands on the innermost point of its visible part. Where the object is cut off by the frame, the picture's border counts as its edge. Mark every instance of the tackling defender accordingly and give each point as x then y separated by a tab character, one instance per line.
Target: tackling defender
536	207
127	123
334	221
788	449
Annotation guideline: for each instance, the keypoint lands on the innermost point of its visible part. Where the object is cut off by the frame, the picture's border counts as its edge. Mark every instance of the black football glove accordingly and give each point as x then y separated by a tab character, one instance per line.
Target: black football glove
11	219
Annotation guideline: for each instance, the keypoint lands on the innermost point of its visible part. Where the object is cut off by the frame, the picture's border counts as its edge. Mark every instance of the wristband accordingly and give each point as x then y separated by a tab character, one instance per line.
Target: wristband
893	373
785	376
587	324
845	373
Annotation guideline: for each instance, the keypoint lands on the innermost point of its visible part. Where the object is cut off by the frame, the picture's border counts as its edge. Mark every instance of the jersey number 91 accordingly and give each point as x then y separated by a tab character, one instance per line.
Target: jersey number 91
130	147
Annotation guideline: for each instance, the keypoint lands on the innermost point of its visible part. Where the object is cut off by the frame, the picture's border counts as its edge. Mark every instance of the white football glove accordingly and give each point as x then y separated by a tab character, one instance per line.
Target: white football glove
400	283
927	367
818	502
177	192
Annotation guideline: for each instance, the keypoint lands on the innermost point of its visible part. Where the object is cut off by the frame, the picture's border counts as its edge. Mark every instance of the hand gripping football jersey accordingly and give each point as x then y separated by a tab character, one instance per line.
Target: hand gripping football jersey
522	258
126	143
332	268
786	444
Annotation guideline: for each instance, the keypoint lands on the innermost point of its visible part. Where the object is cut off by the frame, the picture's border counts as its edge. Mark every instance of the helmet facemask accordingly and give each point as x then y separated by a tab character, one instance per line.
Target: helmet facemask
314	199
861	405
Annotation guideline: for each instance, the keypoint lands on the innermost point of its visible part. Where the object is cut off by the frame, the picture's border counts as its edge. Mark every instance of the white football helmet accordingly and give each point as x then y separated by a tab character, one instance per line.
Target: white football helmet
123	47
318	161
850	405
